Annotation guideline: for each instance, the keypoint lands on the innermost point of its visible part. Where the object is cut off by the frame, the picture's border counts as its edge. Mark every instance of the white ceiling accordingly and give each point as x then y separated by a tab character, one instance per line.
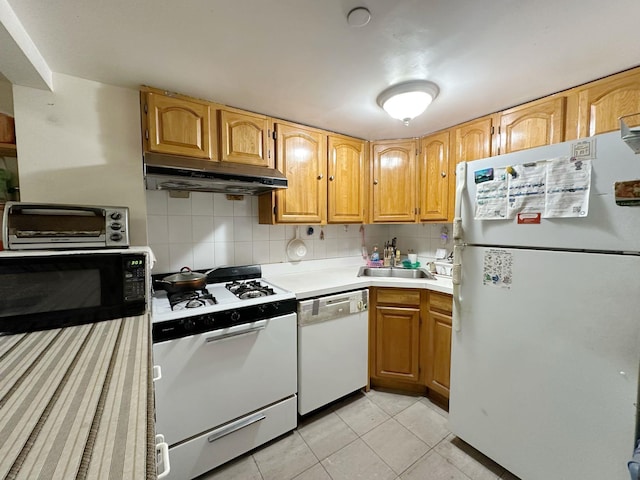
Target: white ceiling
300	60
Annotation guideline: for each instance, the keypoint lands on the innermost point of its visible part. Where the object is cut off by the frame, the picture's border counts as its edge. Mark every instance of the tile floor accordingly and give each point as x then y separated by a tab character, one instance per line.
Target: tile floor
369	436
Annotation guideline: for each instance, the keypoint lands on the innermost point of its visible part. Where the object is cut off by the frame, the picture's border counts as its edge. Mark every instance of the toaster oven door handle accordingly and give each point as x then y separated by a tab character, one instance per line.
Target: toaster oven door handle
251	328
46	210
235	426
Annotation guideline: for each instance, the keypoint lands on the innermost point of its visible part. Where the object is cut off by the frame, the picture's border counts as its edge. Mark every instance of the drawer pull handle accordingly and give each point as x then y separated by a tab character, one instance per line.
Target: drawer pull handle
261	325
162	454
235	426
157	373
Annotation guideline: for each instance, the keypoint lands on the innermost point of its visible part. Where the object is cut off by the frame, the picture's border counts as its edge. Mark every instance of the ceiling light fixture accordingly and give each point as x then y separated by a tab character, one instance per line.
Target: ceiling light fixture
407	100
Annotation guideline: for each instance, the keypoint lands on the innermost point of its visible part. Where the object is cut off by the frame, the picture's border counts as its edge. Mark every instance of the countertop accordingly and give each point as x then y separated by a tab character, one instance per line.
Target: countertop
77	402
314	282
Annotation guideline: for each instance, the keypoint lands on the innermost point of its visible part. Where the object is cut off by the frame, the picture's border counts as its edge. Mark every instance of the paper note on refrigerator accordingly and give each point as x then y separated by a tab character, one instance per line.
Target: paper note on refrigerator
568	187
527	188
491	198
553	188
497	268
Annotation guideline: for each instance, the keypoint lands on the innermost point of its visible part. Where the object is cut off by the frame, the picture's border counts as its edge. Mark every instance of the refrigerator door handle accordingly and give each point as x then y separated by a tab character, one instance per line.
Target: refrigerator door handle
461	185
456	277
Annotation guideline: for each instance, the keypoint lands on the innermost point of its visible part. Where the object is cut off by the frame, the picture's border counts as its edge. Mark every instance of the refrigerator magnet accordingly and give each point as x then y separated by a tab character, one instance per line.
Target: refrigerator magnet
627	193
529	218
483	175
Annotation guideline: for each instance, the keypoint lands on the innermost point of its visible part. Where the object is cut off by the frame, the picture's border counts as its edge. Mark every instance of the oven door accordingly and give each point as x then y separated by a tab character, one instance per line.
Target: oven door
215	377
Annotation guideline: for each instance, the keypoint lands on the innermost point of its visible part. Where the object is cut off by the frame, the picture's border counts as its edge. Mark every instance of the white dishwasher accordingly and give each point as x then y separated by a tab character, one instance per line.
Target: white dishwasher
333	348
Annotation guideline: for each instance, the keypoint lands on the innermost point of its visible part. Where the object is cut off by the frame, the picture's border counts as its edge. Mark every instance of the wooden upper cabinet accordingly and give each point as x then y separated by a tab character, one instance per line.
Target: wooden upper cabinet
347	180
302	156
393	182
532	125
244	138
472	140
176	125
602	102
469	141
433	177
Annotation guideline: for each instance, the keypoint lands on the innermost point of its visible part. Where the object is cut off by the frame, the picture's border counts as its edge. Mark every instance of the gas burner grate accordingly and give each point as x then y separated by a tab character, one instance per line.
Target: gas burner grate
191	299
249	289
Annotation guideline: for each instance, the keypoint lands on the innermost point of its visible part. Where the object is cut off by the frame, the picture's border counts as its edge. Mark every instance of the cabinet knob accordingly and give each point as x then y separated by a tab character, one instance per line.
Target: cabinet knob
443	174
320	177
331	178
375	182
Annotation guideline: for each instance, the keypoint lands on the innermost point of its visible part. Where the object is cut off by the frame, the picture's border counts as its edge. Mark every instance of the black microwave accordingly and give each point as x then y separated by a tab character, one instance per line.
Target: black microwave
45	291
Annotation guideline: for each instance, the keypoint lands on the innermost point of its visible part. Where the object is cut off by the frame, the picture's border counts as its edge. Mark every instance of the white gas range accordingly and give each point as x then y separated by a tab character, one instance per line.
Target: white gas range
227	289
229	371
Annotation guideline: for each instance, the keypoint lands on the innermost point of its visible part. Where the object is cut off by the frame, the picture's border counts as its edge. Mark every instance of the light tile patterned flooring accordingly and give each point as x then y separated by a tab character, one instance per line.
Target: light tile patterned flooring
367	436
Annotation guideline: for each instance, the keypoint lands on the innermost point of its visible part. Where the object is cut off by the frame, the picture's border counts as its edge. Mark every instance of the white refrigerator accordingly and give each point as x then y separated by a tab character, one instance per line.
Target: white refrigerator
546	353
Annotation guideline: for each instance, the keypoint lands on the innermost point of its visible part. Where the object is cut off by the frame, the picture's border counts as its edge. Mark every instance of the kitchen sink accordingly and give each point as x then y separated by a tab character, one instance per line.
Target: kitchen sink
396	272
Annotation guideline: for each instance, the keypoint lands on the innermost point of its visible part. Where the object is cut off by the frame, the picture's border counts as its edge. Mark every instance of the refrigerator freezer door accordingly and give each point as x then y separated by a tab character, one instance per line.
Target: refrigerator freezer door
607	226
544	374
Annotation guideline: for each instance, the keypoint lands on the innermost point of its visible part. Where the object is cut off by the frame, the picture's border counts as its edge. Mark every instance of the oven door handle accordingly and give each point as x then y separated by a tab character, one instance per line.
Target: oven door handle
235	426
251	328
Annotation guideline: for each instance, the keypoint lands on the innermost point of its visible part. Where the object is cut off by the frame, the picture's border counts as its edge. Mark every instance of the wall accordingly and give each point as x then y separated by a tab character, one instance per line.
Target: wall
207	230
81	144
6	97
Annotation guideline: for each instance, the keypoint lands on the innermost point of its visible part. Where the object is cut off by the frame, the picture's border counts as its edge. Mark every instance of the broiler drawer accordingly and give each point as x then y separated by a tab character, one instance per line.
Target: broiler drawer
217	446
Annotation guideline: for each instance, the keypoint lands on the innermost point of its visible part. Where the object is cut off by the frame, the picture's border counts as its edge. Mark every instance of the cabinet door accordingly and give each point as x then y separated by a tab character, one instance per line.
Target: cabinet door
433	177
601	103
438	363
532	125
301	156
347	185
394	181
469	141
178	126
397	349
244	138
472	140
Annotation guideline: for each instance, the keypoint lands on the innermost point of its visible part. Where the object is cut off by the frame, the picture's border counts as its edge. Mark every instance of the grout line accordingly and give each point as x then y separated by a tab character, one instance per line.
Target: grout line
257	466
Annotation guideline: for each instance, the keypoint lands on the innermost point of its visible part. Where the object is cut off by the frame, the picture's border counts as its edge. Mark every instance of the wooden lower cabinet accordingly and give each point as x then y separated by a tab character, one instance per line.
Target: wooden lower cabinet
396	326
410	340
437	371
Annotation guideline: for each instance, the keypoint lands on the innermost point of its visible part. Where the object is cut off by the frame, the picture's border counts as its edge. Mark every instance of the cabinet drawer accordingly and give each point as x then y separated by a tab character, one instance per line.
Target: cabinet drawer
440	302
398	296
213	448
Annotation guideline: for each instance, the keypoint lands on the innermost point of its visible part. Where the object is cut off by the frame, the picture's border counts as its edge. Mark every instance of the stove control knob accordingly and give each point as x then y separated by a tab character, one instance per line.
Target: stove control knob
209	321
116	215
235	316
116	237
189	324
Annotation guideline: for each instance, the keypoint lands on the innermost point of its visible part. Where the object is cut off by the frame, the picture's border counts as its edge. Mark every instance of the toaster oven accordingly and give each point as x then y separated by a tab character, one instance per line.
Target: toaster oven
43	226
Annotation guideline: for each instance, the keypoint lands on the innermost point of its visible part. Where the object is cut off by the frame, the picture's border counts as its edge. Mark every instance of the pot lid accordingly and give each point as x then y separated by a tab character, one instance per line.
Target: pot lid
185	275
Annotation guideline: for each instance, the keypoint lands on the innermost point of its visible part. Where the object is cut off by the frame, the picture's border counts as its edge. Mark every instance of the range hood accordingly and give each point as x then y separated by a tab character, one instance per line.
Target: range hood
172	172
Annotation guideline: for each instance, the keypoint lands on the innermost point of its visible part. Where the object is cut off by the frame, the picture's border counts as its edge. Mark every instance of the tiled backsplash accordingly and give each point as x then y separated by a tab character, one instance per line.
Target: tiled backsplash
208	230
